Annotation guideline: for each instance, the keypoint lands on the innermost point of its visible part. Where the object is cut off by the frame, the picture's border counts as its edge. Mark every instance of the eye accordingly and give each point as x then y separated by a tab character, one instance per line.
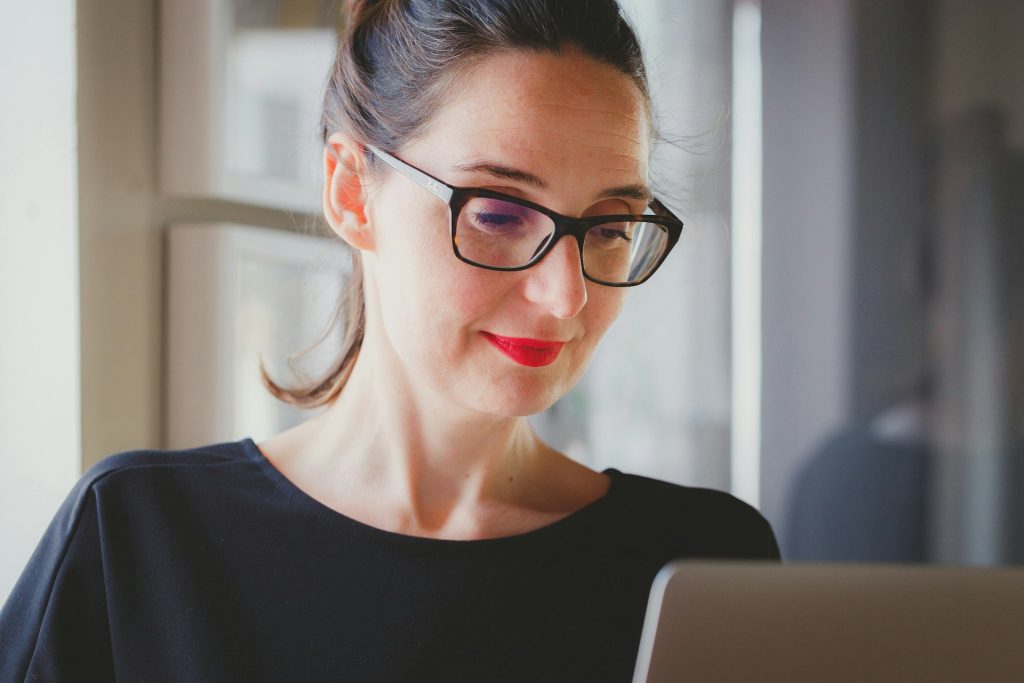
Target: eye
492	219
487	214
611	235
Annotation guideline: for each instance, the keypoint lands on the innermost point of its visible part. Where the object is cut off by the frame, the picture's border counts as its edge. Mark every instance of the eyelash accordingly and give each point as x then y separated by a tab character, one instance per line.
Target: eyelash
494	218
618	234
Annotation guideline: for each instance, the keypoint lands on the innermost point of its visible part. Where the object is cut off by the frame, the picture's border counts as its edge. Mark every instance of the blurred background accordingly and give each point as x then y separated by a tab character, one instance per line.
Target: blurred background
836	340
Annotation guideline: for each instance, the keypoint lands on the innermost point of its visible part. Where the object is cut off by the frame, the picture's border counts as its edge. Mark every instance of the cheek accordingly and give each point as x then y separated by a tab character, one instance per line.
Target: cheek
605	304
603	307
429	299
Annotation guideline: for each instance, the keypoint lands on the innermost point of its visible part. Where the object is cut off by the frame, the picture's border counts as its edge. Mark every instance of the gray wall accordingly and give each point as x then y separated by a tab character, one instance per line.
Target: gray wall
891	211
808	183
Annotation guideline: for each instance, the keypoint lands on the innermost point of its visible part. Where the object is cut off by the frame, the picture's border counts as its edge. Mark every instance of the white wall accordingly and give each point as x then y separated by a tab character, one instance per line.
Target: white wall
119	233
122	215
81	224
39	339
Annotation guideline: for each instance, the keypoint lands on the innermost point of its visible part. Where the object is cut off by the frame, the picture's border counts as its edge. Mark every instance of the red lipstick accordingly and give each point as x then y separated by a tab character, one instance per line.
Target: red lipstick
531	352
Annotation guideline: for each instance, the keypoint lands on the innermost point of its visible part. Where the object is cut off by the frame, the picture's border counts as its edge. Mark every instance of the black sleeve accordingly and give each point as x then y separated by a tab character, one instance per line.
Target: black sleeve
769	544
54	625
753	533
725	527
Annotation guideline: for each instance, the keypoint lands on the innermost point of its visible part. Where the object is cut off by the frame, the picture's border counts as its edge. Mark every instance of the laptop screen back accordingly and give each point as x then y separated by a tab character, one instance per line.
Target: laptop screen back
747	621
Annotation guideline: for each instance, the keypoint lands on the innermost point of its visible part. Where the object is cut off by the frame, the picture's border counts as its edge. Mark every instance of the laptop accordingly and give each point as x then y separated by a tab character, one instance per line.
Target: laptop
761	621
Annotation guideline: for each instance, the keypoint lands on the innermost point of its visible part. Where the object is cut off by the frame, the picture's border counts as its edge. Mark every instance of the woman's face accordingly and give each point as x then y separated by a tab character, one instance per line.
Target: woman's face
576	125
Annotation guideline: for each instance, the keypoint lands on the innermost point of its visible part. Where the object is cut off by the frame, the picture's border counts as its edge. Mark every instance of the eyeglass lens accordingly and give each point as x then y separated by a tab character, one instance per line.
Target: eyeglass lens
497	233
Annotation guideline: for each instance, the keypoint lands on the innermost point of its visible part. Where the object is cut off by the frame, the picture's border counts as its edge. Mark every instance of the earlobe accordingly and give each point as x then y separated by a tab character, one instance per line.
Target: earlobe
344	191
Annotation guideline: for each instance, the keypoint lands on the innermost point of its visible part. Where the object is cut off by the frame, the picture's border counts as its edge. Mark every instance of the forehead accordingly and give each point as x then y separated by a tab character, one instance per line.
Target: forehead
553	114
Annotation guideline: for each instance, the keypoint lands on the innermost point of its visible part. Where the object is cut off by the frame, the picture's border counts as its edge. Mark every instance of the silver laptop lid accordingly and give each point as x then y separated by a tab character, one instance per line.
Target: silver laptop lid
760	621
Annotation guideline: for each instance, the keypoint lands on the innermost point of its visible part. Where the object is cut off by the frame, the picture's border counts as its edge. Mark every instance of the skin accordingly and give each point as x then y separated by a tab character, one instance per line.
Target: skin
429	436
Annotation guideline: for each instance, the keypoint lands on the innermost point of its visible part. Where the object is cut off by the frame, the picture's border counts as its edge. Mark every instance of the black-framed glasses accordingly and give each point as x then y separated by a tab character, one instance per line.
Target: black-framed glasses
500	232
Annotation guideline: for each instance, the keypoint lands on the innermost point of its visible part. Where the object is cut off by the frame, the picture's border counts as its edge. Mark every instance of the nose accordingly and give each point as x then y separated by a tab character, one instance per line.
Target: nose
557	282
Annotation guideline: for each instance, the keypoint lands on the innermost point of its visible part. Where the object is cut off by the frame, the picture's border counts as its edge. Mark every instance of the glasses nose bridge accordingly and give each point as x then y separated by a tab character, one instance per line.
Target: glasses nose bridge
567	227
574	227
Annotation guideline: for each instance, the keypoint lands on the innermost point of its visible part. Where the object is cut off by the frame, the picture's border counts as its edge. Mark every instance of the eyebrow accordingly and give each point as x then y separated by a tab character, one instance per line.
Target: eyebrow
499	171
632	190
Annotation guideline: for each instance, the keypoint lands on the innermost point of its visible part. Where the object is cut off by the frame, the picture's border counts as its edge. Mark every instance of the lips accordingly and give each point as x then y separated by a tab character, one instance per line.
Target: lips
530	352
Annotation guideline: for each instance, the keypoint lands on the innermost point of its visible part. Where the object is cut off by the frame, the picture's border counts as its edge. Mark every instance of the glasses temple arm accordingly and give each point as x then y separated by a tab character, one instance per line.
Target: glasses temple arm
661	209
425	180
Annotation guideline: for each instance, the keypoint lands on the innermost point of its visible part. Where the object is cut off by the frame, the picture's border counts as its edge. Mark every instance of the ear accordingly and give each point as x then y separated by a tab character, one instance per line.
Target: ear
345	191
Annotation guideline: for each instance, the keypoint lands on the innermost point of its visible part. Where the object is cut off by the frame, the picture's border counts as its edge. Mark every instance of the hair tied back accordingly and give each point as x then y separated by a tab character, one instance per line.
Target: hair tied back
357	8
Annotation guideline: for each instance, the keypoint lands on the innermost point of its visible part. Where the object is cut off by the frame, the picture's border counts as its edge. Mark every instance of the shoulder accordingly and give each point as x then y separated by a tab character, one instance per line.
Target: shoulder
127	473
62	592
134	483
706	522
676	498
155	459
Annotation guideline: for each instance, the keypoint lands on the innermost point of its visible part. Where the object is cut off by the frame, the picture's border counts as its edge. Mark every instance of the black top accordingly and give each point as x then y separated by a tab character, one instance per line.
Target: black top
209	565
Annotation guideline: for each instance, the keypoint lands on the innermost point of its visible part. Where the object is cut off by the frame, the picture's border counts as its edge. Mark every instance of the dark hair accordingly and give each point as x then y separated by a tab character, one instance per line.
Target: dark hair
395	65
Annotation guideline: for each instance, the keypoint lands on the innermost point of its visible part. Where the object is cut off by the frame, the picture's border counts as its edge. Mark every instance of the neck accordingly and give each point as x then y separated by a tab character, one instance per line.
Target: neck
385	436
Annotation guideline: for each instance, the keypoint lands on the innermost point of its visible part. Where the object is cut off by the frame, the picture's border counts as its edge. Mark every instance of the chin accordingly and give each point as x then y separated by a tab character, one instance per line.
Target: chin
517	398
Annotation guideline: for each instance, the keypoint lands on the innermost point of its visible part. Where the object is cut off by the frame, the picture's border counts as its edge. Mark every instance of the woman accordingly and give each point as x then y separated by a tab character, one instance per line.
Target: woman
417	529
